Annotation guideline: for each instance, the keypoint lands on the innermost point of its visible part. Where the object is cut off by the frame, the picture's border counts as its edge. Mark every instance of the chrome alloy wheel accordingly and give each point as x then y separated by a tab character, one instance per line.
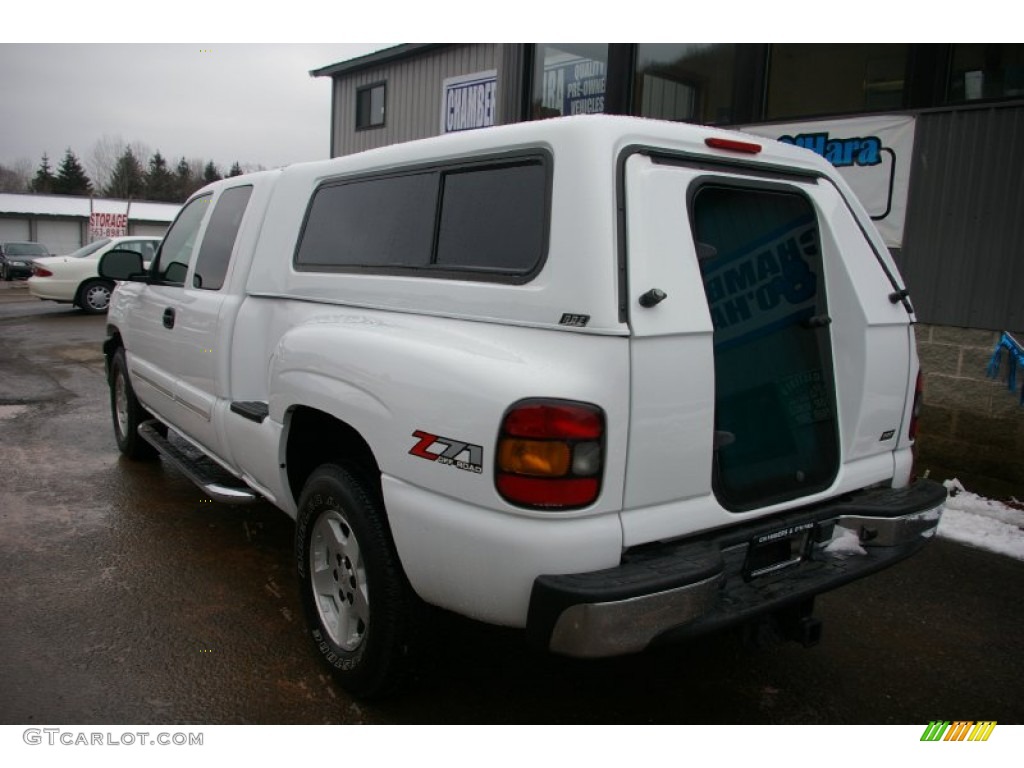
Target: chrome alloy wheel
121	402
338	576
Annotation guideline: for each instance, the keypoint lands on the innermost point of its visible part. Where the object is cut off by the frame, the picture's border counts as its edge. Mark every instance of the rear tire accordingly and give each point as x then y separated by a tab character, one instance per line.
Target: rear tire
127	412
361	610
94	296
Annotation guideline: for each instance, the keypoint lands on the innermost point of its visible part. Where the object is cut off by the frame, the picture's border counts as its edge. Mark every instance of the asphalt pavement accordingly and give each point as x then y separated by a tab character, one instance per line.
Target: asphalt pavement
130	598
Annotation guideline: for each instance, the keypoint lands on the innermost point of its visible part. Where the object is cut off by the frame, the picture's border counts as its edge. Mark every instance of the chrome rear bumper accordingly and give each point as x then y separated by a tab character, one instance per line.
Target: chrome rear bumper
704	584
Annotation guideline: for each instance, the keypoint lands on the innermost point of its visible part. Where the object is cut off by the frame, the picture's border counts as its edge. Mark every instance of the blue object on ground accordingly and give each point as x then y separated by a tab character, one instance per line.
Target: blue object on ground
1015	357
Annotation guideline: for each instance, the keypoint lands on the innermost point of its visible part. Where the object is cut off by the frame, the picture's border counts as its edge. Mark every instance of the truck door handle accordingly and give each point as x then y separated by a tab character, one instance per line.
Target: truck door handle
652	298
169	317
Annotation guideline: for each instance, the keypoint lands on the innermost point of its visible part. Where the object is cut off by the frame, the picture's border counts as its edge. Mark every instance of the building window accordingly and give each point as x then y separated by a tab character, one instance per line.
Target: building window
690	82
569	79
370	106
806	80
986	71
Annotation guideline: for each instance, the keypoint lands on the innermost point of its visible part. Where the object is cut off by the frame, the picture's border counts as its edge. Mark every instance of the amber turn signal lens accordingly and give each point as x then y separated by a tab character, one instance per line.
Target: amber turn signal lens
534	457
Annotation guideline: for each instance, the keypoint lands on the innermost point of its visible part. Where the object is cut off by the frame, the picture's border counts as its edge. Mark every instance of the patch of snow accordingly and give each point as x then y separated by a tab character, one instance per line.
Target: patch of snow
81	207
10	411
980	522
845	542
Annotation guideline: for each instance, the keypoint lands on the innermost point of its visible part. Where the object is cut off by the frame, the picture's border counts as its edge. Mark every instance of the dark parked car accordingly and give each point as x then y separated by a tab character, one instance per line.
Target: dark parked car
16	259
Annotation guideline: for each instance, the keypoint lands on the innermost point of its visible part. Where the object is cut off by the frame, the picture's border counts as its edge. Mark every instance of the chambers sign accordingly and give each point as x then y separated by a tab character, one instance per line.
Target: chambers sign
469	101
871	153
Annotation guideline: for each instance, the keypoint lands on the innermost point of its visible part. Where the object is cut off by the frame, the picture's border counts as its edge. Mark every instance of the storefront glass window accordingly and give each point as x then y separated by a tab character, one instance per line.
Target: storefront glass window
828	79
691	82
986	71
569	79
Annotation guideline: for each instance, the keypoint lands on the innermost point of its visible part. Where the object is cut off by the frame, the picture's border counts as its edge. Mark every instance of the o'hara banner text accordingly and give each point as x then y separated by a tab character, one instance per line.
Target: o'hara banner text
871	153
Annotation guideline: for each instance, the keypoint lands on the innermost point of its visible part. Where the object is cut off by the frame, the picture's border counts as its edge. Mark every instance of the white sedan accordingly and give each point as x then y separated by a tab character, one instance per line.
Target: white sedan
74	278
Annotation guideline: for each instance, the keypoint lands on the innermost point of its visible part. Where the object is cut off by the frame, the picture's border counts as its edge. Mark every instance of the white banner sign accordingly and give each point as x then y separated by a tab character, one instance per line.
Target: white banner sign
871	153
469	101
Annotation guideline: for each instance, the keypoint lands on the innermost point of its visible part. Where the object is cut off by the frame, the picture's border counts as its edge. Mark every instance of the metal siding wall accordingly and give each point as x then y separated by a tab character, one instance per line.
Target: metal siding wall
511	58
413	106
14	230
962	255
141	228
61	236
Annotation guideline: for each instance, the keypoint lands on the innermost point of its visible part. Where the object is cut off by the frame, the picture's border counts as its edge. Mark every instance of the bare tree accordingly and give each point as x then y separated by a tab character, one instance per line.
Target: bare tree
104	157
14	177
105	154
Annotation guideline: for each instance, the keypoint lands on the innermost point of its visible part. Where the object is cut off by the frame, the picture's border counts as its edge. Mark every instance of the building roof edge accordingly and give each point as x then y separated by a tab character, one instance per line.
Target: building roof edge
385	56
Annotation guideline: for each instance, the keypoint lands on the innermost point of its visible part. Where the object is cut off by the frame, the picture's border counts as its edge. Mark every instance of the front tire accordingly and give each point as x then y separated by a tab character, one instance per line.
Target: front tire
127	411
94	296
358	603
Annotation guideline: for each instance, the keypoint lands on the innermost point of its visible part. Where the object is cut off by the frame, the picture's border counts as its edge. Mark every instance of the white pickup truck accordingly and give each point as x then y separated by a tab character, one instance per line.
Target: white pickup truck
614	381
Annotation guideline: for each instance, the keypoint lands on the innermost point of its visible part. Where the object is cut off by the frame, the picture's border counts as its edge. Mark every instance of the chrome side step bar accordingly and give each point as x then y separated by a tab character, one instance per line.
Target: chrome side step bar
213	479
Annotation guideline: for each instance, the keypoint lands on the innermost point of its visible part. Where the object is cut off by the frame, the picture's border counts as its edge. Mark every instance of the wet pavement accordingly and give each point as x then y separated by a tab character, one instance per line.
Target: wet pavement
130	598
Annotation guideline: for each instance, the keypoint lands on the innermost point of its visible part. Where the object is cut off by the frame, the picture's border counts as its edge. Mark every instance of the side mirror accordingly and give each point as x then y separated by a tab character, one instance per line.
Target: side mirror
123	265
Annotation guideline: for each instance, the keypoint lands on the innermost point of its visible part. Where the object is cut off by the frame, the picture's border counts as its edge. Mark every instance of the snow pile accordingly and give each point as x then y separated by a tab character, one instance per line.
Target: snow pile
980	522
846	542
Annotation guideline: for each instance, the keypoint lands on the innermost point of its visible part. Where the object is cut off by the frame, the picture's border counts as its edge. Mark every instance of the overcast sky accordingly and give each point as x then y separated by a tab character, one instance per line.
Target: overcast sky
254	104
257	104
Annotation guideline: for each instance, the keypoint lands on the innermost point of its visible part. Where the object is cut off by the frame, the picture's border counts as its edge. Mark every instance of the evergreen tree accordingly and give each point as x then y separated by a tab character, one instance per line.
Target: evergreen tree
71	178
44	179
236	170
211	174
160	182
127	180
184	182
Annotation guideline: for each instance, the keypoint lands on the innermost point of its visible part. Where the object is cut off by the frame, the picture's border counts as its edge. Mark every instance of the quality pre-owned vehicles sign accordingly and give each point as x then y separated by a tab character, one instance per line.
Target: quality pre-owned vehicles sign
871	153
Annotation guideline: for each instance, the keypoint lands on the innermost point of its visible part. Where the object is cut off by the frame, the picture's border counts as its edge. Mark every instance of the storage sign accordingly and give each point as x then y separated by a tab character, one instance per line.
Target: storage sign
107	225
871	153
469	101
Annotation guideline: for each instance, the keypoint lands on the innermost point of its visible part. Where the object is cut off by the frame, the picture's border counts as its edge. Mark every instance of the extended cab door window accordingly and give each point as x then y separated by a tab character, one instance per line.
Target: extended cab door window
219	240
176	251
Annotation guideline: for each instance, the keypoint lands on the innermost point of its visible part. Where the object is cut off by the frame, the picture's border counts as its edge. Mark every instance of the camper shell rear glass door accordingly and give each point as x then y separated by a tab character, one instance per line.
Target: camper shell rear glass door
760	258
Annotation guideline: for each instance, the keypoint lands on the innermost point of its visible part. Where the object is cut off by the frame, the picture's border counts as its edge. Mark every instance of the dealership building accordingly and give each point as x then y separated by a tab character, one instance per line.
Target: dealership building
929	136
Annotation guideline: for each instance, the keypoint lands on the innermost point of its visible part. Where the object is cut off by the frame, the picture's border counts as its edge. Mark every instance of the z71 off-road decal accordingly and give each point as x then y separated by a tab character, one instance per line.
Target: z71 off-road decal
448	450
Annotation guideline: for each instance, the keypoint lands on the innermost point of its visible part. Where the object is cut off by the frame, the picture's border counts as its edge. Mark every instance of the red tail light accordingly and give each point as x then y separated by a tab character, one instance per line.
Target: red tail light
732	145
550	454
916	412
38	271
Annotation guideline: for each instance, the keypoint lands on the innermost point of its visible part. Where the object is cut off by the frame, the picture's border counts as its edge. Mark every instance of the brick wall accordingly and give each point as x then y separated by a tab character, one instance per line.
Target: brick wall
972	427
